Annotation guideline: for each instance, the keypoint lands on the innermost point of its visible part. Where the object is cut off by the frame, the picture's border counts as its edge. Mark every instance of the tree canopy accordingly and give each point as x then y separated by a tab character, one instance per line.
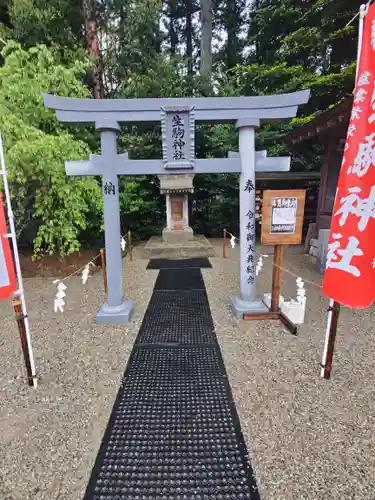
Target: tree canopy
153	48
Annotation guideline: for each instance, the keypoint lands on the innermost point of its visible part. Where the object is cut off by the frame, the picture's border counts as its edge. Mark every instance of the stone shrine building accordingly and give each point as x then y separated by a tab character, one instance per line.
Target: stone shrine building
176	189
177	239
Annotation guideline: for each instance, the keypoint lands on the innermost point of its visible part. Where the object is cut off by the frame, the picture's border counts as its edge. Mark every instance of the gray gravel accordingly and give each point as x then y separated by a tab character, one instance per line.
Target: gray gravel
50	436
308	438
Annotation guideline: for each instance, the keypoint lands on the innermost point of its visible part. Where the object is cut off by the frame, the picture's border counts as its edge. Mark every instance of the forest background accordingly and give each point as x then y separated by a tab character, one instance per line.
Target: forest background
154	48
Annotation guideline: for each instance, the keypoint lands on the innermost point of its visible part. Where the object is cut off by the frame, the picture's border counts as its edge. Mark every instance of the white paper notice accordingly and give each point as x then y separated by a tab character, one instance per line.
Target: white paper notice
4	276
284	215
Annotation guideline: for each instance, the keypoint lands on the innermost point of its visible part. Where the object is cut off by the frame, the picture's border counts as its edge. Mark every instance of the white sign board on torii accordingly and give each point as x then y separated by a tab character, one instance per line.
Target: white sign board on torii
177	117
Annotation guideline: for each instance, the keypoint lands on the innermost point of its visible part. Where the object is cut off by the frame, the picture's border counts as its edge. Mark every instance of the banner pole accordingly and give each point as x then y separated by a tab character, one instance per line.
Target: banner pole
20	290
329	344
362	15
20	317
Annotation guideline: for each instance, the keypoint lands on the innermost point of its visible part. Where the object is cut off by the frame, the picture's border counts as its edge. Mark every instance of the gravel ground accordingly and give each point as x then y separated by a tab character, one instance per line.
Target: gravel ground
50	436
308	438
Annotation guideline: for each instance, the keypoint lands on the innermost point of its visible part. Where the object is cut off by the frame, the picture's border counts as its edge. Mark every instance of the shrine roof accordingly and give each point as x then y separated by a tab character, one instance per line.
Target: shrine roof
332	123
285	176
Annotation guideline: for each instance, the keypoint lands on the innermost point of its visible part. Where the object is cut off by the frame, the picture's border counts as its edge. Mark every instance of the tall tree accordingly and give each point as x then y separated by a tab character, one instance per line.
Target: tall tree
51	22
206	39
92	39
311	33
172	14
233	21
189	35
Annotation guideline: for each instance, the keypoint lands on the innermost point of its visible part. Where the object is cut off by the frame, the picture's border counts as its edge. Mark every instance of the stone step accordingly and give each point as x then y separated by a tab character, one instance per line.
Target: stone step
156	248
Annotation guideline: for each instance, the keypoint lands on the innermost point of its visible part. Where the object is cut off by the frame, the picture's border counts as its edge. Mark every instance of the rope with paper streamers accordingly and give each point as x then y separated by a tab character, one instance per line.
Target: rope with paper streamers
59	301
232	243
294	309
301	298
297	276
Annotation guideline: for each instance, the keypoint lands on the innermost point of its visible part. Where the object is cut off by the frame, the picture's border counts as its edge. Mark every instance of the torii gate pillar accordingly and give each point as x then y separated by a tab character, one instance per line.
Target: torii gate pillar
116	310
247	301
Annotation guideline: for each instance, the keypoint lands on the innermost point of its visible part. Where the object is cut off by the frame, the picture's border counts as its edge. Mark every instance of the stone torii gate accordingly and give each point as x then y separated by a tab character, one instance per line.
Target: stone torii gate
177	117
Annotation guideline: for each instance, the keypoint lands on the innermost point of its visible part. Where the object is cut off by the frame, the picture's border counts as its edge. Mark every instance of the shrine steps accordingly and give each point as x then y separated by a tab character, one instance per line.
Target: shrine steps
156	248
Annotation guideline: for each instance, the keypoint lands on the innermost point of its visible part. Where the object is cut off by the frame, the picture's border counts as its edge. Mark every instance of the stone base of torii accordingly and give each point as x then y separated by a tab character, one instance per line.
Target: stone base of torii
177	117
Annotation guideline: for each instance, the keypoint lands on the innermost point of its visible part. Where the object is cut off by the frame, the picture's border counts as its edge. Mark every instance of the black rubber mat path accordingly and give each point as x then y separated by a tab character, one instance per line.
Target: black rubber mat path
170	280
174	432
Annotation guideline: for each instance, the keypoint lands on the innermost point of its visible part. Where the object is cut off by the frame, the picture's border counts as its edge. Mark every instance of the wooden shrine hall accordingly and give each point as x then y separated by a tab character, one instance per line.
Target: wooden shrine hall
329	129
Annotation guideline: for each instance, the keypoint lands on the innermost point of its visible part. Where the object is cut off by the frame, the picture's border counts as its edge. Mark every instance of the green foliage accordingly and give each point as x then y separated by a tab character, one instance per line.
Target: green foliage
51	22
26	74
61	207
51	209
326	89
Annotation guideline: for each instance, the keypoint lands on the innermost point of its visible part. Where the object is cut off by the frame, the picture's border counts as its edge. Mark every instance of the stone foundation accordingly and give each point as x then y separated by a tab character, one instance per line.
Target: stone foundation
156	248
175	236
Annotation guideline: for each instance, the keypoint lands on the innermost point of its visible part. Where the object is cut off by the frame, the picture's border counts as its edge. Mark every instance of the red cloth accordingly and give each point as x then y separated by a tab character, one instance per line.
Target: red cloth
350	273
7	273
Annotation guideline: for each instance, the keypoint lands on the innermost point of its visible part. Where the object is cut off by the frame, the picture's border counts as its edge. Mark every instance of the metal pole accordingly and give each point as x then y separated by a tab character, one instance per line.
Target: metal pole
20	290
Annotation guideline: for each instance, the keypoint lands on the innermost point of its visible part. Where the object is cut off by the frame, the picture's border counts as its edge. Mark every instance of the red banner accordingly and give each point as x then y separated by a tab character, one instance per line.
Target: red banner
7	273
350	272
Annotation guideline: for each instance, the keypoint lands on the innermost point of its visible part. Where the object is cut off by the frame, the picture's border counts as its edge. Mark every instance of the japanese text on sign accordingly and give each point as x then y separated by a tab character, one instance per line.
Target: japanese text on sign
250	237
178	134
109	188
283	216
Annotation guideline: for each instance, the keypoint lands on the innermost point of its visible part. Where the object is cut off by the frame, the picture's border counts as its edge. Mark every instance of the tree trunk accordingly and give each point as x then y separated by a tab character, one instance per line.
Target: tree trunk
206	40
93	47
173	38
232	26
189	36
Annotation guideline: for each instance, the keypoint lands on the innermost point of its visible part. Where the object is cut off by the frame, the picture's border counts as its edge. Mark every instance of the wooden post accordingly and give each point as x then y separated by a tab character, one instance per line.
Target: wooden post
276	277
104	269
17	306
225	244
130	245
334	318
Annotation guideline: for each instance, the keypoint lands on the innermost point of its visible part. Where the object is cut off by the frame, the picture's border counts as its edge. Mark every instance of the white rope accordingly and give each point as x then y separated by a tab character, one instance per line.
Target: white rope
260	255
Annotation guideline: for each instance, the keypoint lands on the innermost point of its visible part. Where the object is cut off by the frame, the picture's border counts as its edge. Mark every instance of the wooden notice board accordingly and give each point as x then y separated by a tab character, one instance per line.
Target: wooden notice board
282	216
